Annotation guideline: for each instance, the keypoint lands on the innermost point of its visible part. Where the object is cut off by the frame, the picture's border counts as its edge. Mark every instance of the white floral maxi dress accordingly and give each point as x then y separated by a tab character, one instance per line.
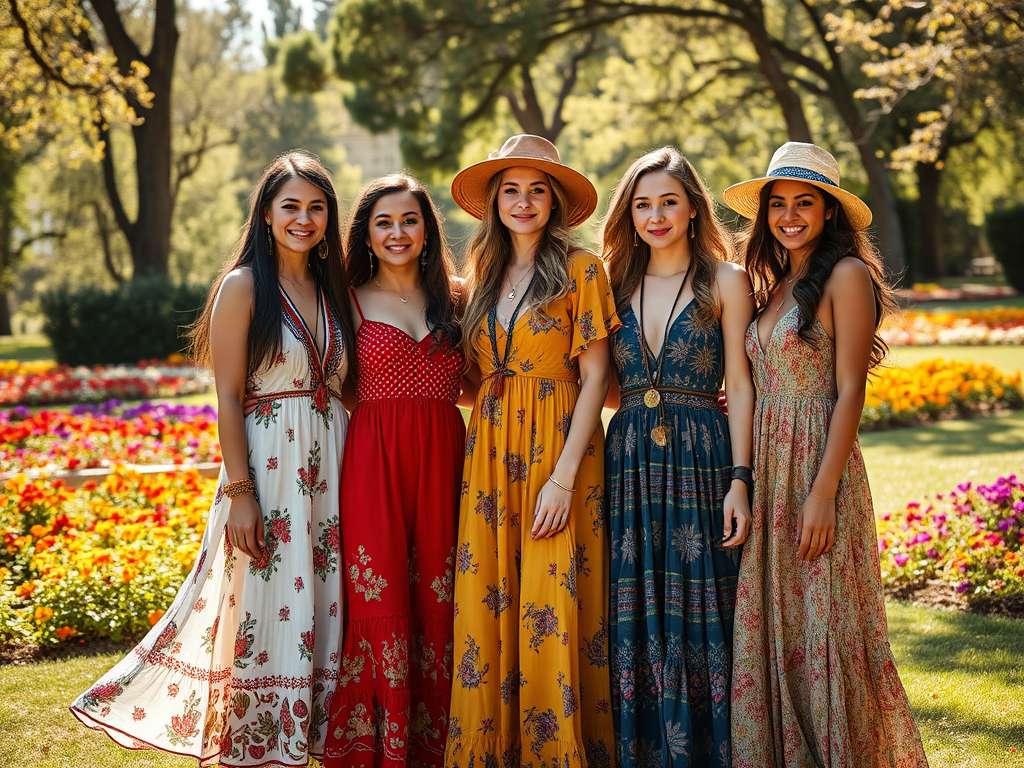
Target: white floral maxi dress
241	668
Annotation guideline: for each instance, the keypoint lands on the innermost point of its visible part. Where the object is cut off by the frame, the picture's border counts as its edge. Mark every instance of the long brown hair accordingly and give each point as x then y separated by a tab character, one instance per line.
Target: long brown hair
254	251
437	273
491	250
767	260
627	256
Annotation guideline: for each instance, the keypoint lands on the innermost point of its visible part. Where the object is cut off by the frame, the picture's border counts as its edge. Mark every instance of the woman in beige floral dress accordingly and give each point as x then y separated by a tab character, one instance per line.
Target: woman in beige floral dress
814	680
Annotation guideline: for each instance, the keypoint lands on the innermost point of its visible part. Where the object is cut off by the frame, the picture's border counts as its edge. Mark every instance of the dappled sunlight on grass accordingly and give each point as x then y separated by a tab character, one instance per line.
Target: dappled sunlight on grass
963	674
906	464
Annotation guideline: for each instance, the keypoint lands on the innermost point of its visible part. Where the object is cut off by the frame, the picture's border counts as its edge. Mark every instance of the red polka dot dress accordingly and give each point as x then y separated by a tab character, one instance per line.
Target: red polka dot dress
401	477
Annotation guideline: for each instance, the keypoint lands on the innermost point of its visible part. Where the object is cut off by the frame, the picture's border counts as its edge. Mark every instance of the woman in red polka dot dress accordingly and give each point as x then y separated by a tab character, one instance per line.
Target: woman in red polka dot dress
400	484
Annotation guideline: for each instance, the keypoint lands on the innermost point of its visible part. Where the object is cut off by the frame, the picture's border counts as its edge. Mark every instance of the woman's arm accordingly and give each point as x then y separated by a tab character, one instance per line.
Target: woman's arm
552	511
614	397
229	340
470	386
850	295
737	303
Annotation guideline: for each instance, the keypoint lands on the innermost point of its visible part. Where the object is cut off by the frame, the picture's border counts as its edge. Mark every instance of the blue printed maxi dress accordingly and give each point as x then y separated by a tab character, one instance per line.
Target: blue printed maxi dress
672	584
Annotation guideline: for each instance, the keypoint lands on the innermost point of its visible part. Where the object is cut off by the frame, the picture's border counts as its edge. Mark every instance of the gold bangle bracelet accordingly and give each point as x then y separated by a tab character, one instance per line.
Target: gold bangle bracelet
567	490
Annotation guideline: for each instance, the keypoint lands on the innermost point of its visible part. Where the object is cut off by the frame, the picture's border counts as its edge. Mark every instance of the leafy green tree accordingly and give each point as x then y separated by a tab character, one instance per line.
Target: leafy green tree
433	68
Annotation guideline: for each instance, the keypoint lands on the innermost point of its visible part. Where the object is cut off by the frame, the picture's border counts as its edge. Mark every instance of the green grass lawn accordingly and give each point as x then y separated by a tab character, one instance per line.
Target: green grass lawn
906	464
32	346
963	675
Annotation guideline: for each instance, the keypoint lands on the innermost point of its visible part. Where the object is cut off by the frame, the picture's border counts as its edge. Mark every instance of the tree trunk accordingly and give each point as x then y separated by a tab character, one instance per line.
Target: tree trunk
788	99
930	262
885	218
151	234
6	249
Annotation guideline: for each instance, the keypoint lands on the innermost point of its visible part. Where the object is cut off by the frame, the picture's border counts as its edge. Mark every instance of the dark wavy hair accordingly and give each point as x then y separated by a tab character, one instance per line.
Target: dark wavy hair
767	260
254	252
437	273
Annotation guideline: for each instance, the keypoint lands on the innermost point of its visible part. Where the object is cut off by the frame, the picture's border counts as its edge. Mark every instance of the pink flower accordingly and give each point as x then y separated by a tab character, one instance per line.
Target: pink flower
901	559
922	538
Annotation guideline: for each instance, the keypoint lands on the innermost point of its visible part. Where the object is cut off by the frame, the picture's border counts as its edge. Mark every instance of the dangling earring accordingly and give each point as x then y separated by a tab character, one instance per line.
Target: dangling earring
636	239
423	253
692	232
372	270
323	250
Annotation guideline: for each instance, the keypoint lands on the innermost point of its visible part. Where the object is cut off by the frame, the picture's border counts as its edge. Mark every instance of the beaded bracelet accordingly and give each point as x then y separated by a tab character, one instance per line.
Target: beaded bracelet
237	488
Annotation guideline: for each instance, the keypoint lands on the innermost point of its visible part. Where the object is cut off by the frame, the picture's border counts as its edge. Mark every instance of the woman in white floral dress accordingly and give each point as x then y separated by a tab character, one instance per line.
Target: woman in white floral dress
241	668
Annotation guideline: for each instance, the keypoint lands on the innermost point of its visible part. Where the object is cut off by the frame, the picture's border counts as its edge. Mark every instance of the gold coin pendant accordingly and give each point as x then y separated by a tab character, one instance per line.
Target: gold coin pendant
652	397
660	436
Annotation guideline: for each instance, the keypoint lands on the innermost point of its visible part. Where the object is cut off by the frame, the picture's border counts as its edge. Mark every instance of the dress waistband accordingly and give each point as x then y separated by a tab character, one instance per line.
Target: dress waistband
272	396
693	399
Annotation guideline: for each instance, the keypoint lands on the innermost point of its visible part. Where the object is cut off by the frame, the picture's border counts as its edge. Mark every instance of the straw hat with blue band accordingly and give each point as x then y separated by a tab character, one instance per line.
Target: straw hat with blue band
469	187
797	161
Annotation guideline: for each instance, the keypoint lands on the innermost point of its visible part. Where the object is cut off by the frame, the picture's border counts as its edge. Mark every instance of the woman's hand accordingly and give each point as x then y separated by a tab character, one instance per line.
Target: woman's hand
817	523
245	526
737	514
552	511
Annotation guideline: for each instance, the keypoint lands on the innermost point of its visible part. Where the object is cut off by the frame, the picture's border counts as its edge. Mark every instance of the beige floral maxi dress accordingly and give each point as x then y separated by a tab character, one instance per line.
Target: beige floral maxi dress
814	681
241	668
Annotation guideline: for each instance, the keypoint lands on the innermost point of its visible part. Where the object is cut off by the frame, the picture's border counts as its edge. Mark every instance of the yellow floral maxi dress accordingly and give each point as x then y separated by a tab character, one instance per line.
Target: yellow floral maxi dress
532	683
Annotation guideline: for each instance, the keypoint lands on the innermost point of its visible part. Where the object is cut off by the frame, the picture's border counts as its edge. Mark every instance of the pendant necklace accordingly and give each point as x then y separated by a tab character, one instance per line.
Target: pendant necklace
396	293
652	397
512	294
501	369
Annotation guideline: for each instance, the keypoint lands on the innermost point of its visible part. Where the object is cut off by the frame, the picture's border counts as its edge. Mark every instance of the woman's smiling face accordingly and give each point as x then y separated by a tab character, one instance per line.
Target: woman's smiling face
796	214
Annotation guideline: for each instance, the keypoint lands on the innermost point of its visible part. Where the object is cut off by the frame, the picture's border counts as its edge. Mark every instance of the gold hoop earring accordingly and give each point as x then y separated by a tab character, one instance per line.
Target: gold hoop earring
324	249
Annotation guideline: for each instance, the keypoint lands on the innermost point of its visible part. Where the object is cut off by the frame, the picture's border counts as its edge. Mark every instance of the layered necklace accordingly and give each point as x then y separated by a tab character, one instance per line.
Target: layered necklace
652	397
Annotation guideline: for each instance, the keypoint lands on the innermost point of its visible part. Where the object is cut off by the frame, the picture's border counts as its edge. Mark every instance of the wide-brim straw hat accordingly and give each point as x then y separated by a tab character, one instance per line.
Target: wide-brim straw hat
797	161
469	187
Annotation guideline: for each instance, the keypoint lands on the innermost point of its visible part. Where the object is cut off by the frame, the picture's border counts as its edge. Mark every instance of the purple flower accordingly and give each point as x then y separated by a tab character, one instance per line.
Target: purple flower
939	519
932	553
1006	523
964	487
963	586
922	538
1018	506
901	559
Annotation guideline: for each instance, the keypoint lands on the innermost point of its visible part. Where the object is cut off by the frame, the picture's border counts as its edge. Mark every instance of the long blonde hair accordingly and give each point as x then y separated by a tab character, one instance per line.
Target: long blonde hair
627	256
490	252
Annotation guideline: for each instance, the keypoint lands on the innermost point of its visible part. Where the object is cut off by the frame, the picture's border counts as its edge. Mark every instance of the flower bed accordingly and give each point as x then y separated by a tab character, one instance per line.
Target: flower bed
44	383
968	541
99	562
1002	326
105	435
937	389
934	292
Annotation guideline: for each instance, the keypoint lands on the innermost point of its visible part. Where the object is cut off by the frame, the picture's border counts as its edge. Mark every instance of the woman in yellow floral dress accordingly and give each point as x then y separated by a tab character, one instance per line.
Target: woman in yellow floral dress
532	683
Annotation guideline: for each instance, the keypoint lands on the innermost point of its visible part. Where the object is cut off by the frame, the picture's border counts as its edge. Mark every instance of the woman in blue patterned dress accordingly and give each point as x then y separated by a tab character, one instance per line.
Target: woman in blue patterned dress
677	476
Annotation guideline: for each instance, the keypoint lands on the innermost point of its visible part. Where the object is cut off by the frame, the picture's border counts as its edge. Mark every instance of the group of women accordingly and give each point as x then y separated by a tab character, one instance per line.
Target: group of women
701	588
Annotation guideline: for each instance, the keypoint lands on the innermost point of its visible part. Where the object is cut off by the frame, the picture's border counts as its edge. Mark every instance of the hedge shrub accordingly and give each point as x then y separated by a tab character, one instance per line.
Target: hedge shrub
141	319
1005	232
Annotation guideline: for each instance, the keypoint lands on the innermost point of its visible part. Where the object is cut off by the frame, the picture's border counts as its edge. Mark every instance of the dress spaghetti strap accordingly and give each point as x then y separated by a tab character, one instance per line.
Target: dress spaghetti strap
358	308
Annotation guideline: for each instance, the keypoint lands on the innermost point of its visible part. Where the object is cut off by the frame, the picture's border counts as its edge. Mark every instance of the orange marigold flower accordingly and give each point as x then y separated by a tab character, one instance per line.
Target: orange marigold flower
65	632
43	614
155	616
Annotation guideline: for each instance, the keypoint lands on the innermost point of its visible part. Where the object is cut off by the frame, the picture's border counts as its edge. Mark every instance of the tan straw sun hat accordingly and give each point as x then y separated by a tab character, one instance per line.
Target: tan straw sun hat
799	162
469	187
